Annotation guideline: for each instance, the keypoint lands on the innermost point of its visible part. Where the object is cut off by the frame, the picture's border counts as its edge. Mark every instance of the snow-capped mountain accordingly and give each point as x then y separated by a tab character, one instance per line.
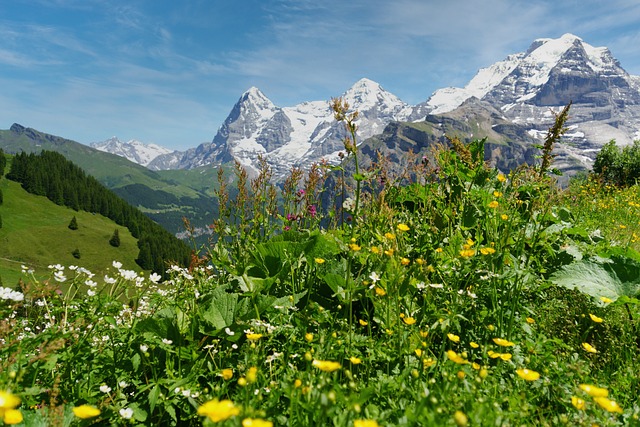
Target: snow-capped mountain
133	150
527	86
293	136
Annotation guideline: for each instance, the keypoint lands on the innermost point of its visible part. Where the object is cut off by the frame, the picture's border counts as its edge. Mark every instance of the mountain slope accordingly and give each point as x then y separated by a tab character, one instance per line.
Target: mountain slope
119	175
35	233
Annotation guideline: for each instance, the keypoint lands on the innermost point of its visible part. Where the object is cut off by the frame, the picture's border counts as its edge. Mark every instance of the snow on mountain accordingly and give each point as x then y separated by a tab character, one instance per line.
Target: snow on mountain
133	150
294	136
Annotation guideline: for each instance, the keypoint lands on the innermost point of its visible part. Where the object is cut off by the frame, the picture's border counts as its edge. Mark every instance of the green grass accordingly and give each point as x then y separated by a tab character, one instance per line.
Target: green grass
35	233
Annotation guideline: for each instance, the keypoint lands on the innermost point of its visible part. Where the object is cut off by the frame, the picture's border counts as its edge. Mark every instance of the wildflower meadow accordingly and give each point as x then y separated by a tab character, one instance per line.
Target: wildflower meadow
453	295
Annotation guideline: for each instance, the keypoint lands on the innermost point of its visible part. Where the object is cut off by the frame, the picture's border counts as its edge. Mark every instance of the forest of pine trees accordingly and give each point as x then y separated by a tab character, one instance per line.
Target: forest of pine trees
50	174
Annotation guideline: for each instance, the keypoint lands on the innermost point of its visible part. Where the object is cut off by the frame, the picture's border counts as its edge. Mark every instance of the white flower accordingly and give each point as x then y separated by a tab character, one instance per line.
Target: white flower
91	292
166	341
155	277
73	267
144	348
123	384
128	274
374	277
186	393
59	276
90	283
109	280
421	286
349	204
105	388
116	264
126	413
10	294
436	285
229	332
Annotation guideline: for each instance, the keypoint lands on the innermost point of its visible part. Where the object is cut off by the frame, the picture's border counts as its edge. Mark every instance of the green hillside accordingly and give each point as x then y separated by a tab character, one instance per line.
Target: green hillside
165	197
35	233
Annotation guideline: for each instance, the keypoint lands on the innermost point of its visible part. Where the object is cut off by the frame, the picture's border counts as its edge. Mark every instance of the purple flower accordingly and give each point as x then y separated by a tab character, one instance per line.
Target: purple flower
312	211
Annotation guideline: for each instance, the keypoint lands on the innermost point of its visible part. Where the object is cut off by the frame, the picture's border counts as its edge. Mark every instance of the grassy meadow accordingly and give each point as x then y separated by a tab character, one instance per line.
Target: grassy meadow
457	296
35	233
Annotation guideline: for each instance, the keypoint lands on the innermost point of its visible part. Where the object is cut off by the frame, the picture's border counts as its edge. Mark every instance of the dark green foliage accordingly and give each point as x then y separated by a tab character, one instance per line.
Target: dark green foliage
3	162
620	167
1	196
50	174
115	239
73	224
76	253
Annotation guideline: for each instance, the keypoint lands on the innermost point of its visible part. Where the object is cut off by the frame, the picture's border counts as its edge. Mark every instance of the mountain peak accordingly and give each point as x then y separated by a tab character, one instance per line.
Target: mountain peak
366	94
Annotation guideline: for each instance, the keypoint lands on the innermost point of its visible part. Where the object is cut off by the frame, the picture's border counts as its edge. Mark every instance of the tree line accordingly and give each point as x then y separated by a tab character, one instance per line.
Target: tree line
50	174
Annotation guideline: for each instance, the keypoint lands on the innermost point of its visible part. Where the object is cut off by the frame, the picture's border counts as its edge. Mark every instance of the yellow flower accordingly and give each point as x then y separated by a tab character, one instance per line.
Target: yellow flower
405	261
403	227
86	411
8	400
595	318
594	391
606	300
254	337
589	348
530	320
389	236
494	204
297	383
326	365
252	374
365	423
354	247
474	344
501	178
503	343
418	352
409	320
460	419
504	217
439	250
527	374
218	410
256	422
355	360
424	334
428	362
453	338
380	292
608	405
318	261
388	252
577	403
12	416
308	336
375	250
227	374
363	322
467	253
505	356
487	251
455	357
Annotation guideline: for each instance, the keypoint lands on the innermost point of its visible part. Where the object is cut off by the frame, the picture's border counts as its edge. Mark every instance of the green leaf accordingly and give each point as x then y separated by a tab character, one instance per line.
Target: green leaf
153	397
611	278
220	308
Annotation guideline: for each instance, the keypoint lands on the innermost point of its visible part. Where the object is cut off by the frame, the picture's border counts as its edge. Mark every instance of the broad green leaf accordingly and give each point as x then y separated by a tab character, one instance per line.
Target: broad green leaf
612	278
220	309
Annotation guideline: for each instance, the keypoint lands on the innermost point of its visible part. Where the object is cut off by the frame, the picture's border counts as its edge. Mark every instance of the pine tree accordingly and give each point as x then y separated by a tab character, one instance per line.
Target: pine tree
1	196
76	253
73	225
3	162
115	239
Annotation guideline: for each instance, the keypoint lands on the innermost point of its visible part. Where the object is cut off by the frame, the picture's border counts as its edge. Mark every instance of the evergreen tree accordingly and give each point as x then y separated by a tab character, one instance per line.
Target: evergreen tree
76	253
115	239
3	162
73	225
1	196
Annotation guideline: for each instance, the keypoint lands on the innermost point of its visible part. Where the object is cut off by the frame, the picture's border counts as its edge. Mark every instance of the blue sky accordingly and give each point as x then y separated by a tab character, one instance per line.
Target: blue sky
169	71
